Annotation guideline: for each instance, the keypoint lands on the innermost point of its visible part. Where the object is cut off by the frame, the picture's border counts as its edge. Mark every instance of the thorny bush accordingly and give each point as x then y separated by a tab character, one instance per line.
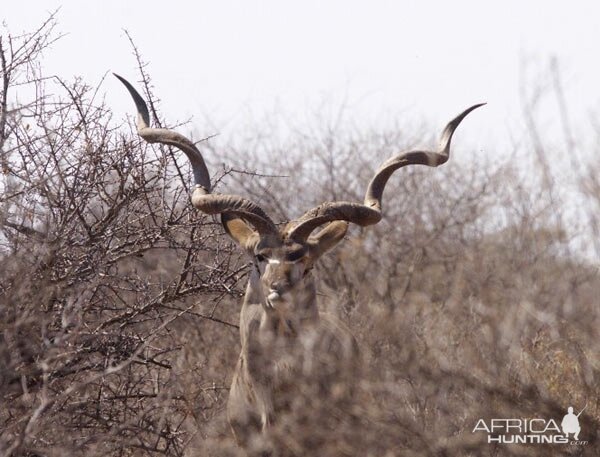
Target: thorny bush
119	303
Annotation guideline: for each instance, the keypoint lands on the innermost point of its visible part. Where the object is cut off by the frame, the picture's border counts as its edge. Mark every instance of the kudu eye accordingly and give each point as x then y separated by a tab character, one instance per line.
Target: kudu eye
295	255
260	258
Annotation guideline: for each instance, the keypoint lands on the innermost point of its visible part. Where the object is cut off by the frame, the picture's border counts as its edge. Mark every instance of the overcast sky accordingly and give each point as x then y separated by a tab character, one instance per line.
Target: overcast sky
424	60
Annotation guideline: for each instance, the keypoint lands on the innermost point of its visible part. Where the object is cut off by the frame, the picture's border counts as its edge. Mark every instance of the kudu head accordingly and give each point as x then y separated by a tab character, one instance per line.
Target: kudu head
283	257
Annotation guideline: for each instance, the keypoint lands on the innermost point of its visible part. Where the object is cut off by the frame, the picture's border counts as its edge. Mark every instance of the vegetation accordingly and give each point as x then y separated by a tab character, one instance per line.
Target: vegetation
475	297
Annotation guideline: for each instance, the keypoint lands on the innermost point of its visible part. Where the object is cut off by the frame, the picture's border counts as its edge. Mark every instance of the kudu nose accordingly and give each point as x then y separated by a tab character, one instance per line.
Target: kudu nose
276	290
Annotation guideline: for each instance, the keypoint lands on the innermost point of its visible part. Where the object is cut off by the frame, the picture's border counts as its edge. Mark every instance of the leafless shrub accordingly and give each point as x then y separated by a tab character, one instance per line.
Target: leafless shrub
103	260
119	303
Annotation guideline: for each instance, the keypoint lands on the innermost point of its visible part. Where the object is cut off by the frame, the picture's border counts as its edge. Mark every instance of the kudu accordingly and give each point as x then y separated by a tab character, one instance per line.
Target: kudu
279	312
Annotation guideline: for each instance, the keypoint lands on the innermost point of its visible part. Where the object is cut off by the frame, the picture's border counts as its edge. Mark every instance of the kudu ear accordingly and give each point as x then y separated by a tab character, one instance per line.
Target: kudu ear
327	238
240	231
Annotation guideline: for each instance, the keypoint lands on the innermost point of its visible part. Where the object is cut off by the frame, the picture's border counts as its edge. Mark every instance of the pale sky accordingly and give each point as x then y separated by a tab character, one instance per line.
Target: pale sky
422	60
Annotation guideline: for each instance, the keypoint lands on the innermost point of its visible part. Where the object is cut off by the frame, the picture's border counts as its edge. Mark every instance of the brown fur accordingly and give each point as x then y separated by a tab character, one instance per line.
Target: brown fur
283	334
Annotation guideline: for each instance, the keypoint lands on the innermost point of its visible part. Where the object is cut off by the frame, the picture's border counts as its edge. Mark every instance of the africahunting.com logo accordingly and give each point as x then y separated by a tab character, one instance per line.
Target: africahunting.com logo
533	431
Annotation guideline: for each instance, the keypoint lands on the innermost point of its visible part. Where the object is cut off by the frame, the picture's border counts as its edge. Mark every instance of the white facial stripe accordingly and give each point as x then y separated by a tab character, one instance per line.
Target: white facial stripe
277	261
